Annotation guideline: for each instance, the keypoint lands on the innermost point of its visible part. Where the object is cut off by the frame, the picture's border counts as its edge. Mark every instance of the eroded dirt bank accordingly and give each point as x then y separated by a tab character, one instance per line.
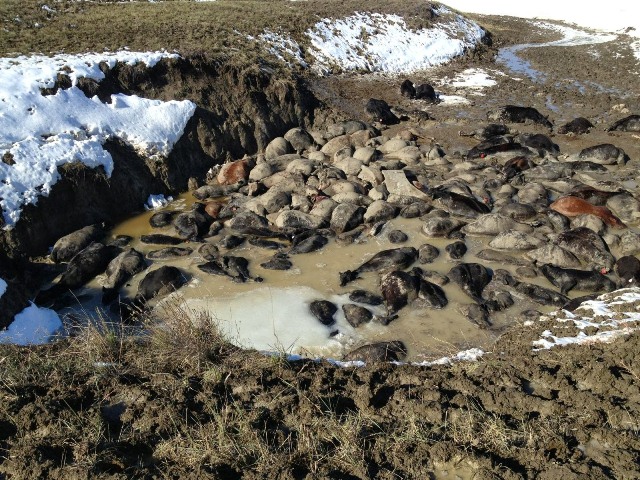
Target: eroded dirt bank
239	110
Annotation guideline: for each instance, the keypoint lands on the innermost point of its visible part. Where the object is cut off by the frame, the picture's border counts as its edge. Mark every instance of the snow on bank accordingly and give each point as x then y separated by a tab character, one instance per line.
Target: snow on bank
3	287
379	43
283	48
39	133
32	326
384	43
601	320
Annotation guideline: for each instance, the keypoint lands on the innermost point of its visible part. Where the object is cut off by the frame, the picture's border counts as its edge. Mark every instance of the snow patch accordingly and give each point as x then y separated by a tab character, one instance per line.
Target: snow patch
384	43
471	355
157	201
471	81
32	326
572	37
39	133
453	100
3	287
601	320
283	47
475	78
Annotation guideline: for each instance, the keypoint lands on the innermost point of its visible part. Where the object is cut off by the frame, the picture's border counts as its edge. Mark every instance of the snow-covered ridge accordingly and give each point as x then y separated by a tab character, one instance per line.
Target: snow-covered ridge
39	133
377	42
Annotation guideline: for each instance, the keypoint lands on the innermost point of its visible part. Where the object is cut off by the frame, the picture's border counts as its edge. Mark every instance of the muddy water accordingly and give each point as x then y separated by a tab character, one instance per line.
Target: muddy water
274	314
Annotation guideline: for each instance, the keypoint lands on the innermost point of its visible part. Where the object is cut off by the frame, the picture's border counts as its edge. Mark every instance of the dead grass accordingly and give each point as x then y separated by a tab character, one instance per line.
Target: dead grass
179	399
219	27
171	338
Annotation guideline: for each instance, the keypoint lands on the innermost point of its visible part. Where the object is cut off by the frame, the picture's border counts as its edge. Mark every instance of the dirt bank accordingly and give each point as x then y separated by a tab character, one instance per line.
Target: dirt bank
186	404
239	110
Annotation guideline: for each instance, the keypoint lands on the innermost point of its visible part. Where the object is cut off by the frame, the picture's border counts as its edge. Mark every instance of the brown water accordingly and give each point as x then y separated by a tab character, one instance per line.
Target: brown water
274	314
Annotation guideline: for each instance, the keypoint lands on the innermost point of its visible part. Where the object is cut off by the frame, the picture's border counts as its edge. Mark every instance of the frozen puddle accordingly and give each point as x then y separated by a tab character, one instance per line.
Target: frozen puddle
279	320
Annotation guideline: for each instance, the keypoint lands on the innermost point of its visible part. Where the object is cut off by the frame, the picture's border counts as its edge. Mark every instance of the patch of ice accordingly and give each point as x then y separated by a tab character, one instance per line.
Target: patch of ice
32	326
471	355
157	201
384	43
453	100
40	132
108	364
349	364
3	287
279	319
572	37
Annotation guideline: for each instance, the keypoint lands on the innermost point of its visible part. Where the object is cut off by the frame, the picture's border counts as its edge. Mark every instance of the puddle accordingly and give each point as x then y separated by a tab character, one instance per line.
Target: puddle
274	315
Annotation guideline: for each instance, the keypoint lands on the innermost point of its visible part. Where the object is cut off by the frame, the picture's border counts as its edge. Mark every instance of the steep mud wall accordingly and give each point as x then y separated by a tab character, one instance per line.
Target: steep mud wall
239	110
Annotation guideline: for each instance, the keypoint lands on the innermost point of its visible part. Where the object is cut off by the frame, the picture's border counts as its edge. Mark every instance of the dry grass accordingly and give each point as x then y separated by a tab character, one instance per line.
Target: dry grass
180	338
179	398
169	339
219	27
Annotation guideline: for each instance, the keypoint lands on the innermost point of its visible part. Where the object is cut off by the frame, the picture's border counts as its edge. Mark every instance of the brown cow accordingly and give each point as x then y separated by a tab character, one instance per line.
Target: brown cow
571	206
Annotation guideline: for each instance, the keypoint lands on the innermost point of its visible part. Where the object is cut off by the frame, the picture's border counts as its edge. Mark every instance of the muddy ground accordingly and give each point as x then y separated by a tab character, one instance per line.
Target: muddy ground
187	405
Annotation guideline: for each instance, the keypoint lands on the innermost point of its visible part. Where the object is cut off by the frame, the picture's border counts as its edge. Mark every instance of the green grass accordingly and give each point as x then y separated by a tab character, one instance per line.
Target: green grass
219	27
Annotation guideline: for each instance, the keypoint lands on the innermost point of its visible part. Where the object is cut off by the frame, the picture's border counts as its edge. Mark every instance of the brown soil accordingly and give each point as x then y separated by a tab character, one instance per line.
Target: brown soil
186	405
181	412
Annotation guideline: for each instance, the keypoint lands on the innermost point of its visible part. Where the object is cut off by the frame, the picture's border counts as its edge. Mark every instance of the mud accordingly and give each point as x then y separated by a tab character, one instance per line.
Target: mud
314	276
569	412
